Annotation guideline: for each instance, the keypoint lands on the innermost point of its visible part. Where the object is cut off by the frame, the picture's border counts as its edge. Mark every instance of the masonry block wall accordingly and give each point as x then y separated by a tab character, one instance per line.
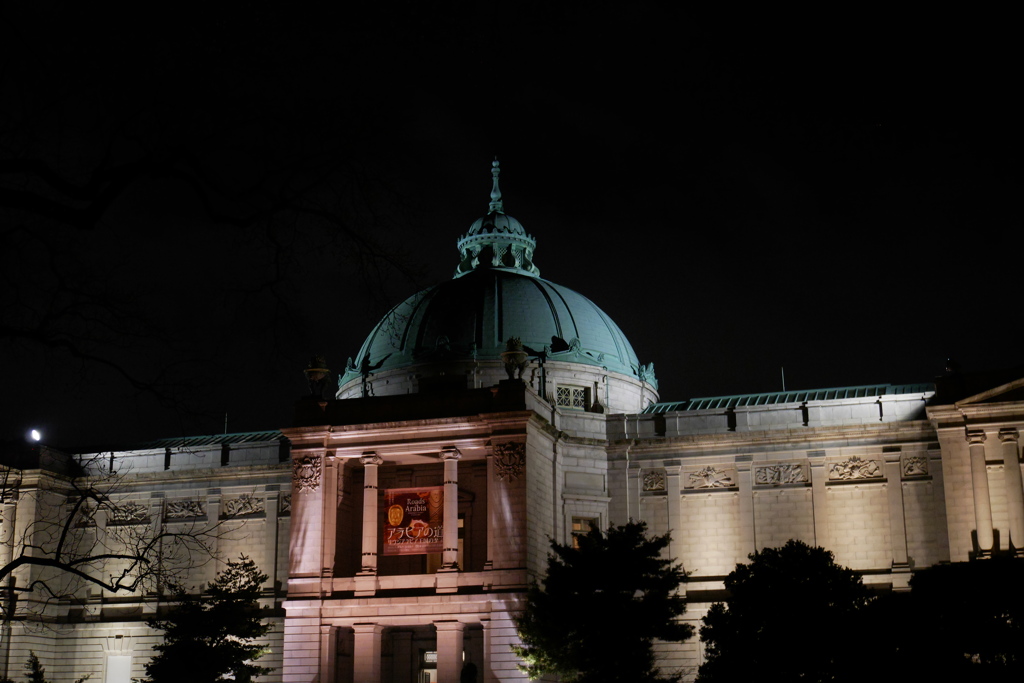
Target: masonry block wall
708	532
858	517
539	499
782	514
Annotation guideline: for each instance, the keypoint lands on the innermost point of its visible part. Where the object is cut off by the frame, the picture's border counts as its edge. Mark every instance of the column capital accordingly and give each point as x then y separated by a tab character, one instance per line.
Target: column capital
370	458
449	625
375	629
450	453
1007	434
893	457
975	436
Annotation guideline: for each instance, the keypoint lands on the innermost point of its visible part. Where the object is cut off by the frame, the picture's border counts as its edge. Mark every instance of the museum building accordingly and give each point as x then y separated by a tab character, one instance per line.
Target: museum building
401	521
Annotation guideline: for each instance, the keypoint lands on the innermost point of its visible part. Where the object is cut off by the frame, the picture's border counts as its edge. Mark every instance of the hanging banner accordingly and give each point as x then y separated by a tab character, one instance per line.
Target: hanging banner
413	520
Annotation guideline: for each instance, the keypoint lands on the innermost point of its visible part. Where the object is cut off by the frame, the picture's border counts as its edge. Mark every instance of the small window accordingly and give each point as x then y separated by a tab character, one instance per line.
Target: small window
574	398
580	526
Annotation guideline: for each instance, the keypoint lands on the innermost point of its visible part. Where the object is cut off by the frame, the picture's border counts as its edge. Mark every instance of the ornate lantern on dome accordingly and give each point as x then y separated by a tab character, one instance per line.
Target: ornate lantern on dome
316	372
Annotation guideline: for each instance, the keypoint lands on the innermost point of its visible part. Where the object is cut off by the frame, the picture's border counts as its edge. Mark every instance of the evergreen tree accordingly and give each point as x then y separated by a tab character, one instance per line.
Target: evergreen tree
792	613
962	621
211	637
34	671
601	606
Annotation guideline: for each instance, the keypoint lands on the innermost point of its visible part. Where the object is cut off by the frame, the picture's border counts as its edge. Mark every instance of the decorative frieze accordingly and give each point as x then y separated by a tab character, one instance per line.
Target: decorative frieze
184	509
855	468
306	473
285	505
243	506
915	466
128	513
711	477
782	473
654	480
509	460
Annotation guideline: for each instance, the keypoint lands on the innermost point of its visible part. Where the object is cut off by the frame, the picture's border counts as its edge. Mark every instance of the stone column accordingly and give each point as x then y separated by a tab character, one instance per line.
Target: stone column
819	491
370	463
365	653
328	652
746	504
897	521
1014	491
485	671
982	502
450	558
449	650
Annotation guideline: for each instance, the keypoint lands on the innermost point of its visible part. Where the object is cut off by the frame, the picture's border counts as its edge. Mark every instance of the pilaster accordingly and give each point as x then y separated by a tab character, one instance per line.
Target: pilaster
745	484
819	493
979	484
897	520
1014	491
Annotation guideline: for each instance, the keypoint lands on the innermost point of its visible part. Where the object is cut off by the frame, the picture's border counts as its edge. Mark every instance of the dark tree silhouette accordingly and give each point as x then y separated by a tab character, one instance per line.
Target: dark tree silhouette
601	607
961	621
212	637
791	611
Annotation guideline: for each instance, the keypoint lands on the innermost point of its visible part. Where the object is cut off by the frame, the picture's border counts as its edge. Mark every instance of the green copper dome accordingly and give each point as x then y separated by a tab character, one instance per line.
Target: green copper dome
496	294
472	316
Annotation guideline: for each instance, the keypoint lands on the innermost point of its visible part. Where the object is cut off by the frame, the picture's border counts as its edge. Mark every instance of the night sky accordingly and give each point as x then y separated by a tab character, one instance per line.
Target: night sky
191	205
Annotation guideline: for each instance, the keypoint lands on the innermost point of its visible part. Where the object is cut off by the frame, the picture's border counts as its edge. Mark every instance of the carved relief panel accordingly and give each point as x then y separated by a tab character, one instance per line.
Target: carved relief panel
855	468
781	473
654	480
710	477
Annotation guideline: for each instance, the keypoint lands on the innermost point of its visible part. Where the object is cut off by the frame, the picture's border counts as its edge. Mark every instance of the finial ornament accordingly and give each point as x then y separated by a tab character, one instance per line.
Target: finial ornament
496	240
496	203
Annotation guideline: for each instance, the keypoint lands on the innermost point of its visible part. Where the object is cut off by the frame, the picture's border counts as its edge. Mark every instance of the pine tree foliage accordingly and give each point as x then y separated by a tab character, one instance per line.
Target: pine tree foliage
35	672
213	637
791	611
601	607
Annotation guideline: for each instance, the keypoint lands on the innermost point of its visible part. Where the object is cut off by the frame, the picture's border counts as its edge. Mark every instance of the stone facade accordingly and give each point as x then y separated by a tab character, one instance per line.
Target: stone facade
922	483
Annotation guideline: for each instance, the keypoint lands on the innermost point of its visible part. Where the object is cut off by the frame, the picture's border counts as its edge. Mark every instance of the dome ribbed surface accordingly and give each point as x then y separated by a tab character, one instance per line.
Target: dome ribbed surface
473	316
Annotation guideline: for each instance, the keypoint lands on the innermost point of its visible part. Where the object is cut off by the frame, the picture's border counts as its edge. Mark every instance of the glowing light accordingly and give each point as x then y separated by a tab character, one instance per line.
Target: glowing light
35	435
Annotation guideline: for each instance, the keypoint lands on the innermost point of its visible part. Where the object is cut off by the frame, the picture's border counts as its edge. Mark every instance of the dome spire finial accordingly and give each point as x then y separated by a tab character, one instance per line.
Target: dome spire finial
496	205
497	240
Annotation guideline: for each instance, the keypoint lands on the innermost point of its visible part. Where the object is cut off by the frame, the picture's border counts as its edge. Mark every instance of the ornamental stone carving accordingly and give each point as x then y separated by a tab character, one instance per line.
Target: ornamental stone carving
783	473
286	505
855	468
306	473
710	478
128	513
509	460
915	466
654	480
184	509
86	516
243	505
